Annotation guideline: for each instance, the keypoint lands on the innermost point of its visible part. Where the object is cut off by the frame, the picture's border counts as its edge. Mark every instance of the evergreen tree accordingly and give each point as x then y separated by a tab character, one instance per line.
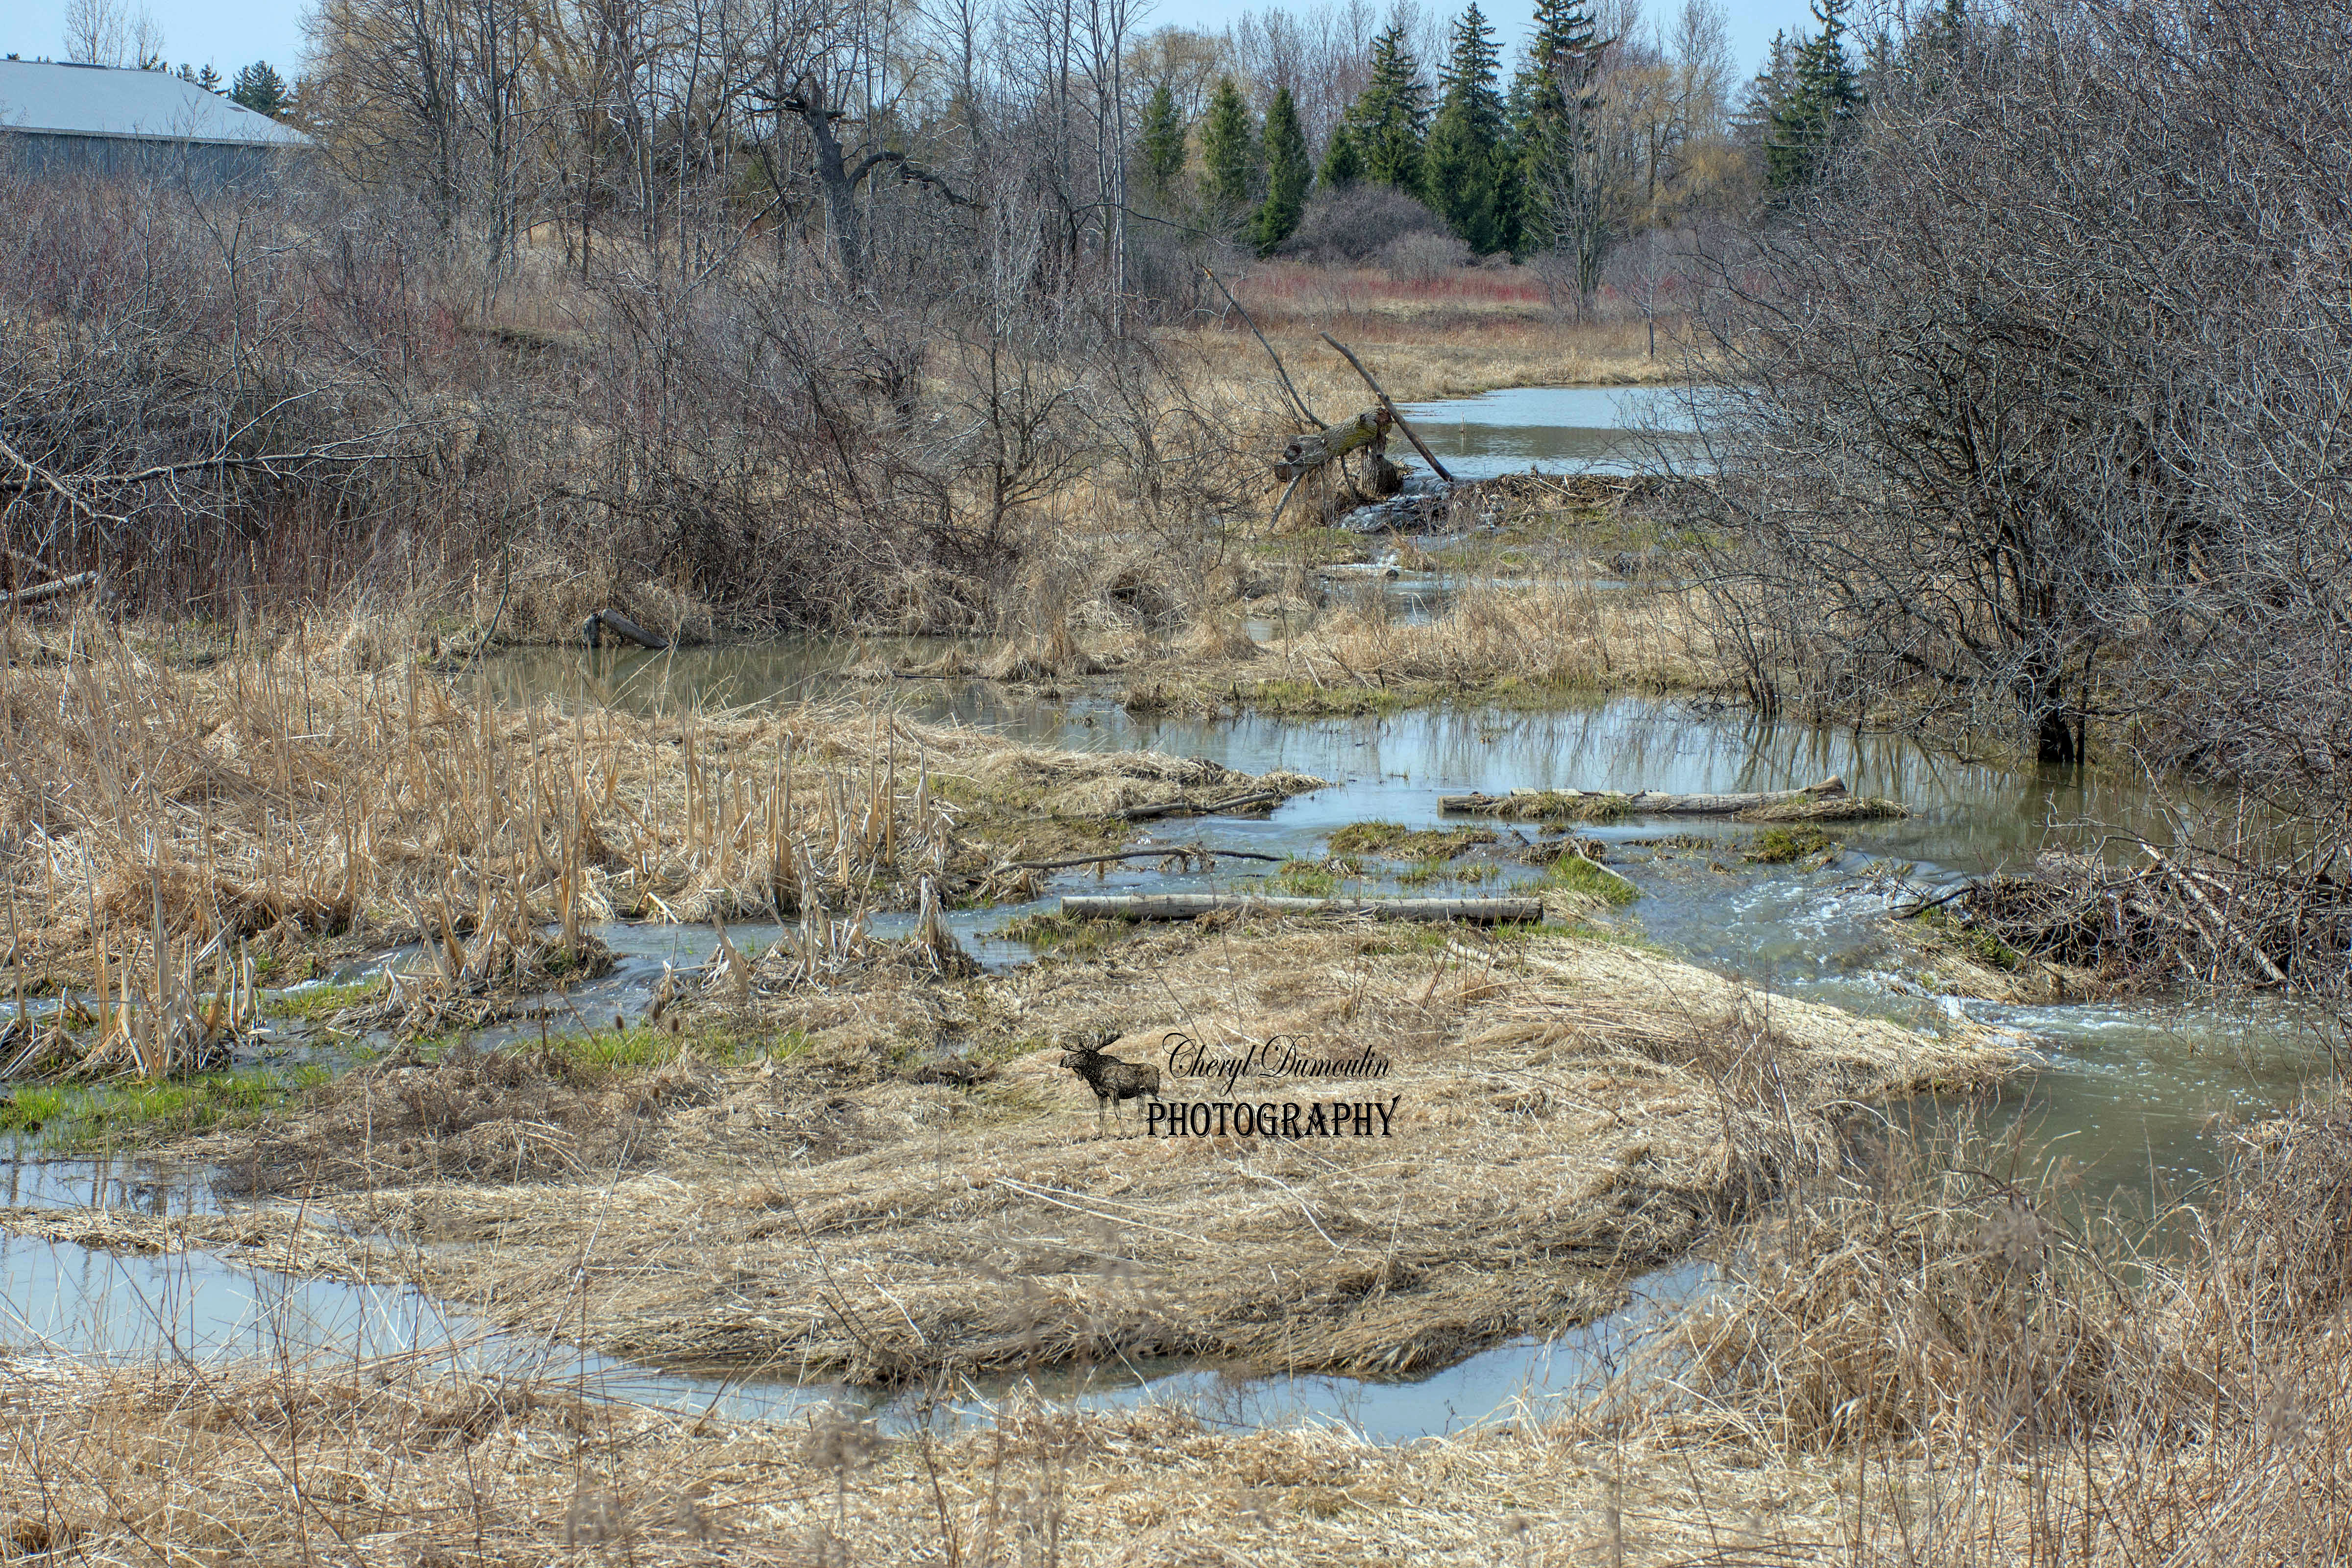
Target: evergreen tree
1164	150
186	72
262	90
1822	101
1287	174
1230	162
1343	159
208	78
1471	174
1554	102
1391	117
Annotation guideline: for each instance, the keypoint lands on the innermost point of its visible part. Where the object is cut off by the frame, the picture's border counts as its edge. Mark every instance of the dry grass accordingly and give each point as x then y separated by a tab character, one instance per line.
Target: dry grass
2009	1376
1495	641
1564	1110
298	790
402	1462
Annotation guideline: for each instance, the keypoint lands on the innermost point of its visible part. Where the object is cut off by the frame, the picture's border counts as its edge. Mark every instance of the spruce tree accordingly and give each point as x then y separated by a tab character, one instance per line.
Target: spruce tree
1553	100
208	78
1343	159
1822	101
1470	171
1230	158
1164	150
1392	115
1287	174
262	90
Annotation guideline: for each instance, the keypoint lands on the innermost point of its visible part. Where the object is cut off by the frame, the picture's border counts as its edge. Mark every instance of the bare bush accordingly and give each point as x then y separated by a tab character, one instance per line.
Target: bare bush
2005	436
1358	222
1424	258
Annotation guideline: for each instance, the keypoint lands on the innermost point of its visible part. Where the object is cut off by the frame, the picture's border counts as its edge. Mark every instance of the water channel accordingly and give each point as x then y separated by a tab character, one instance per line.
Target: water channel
2130	1092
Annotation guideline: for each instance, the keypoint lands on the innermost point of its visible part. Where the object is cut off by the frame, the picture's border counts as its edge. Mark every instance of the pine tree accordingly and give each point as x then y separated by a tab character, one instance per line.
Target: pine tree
1230	162
208	78
186	72
1164	150
1470	170
262	90
1343	159
1287	174
1554	102
1822	101
1391	117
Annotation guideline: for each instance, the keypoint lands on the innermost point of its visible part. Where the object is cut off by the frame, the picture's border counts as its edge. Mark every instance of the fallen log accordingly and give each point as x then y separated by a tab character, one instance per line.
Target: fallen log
1827	799
1311	451
40	590
1195	808
620	626
1164	852
1190	906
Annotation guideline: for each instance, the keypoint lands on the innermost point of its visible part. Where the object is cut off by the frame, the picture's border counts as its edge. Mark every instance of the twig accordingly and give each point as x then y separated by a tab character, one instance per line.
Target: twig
1278	369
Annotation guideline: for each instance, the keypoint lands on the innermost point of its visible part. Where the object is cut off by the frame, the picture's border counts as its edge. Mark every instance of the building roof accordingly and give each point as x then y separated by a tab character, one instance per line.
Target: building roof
146	106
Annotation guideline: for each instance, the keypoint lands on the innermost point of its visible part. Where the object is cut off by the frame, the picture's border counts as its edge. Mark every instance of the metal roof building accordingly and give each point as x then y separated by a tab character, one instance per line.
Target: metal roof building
76	118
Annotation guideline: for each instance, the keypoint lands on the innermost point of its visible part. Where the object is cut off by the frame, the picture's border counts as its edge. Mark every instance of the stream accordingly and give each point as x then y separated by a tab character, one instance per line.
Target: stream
2130	1092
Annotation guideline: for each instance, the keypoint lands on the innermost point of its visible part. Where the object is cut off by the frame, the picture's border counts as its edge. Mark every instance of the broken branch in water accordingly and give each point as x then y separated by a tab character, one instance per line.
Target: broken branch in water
1828	799
1189	808
1410	433
1190	906
1196	851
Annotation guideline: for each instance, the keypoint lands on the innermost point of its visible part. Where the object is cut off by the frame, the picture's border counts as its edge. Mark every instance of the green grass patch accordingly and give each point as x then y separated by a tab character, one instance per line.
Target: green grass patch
1779	846
72	1118
641	1048
1055	931
317	1004
1395	841
1573	873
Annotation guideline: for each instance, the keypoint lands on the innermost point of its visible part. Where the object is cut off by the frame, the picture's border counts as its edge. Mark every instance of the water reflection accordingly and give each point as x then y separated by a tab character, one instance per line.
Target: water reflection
1559	429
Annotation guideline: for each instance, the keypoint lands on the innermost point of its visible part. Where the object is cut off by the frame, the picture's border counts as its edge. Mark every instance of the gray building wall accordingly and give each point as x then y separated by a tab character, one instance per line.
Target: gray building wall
205	166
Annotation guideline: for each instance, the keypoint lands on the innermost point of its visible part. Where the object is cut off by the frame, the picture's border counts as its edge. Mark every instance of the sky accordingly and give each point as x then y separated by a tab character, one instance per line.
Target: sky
227	33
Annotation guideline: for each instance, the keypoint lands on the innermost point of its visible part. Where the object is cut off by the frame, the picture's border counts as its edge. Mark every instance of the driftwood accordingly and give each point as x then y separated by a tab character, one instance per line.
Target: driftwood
1826	799
1191	808
1164	852
2205	916
40	590
621	627
1190	906
1307	453
1410	433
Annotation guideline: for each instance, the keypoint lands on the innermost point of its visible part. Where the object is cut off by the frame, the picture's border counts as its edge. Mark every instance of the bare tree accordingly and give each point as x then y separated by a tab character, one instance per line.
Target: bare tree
97	32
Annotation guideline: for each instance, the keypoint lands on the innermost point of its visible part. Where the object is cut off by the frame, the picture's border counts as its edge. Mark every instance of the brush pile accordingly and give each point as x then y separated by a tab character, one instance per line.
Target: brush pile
2182	914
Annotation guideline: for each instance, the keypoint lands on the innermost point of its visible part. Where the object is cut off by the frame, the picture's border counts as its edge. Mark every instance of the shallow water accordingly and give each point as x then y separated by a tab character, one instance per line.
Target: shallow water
2131	1094
1554	429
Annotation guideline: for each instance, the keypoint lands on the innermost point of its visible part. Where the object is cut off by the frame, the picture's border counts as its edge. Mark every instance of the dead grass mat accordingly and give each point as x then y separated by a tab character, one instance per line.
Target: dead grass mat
1566	1111
390	1464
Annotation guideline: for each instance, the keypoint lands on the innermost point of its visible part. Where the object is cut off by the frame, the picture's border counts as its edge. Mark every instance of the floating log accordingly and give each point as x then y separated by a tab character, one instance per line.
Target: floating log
1309	452
1190	906
40	590
1827	799
621	627
1194	808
